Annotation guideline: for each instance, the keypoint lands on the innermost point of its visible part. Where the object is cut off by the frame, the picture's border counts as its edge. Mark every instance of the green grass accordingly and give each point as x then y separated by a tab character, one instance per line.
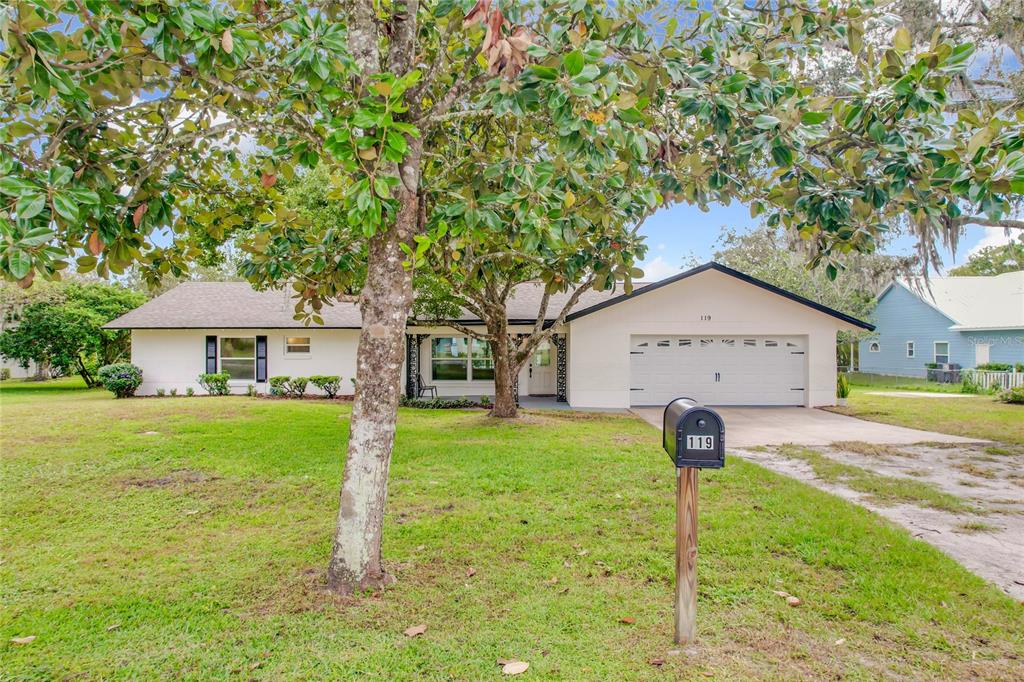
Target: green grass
885	490
882	382
197	552
981	417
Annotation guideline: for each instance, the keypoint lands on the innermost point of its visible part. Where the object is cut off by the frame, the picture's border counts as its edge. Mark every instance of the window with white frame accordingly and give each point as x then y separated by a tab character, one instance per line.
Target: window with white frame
238	357
941	352
456	358
874	347
297	345
910	349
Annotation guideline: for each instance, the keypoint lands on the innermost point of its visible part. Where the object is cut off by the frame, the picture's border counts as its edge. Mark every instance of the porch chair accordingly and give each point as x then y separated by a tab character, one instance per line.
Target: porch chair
424	388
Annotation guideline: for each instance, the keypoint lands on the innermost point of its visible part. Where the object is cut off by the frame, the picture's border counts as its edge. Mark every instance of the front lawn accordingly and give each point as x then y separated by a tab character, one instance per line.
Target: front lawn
884	382
981	416
187	538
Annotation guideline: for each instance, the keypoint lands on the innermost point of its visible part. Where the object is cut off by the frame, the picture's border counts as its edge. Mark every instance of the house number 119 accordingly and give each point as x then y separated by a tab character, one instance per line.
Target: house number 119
706	317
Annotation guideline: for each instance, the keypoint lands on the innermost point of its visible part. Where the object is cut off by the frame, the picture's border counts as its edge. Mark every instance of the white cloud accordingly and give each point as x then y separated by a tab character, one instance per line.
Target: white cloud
994	236
661	247
658	269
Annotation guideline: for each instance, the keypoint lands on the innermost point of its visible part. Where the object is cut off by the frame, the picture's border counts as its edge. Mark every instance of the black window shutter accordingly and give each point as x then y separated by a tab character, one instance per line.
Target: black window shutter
211	354
261	359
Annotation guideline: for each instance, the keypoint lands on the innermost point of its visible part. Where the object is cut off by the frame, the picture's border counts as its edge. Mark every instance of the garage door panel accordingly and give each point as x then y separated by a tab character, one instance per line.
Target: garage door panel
718	370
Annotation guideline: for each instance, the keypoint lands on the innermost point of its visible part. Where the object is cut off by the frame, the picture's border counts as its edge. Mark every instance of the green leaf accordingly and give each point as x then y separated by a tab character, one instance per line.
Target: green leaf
782	155
814	117
66	206
901	41
37	236
573	62
735	83
19	263
30	205
14	186
765	122
855	38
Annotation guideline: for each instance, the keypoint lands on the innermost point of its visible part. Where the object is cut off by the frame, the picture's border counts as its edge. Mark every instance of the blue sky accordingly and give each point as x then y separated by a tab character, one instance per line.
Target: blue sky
674	233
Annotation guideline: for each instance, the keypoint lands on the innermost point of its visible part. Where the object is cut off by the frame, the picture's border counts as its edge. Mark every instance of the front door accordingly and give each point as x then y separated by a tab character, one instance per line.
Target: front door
981	354
542	370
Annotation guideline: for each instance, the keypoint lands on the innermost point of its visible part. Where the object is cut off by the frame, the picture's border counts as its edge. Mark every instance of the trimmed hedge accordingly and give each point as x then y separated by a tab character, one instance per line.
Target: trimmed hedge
215	384
122	379
326	383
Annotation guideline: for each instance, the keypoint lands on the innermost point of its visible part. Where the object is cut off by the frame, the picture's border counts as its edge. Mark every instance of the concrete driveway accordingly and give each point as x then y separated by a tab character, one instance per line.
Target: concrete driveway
750	426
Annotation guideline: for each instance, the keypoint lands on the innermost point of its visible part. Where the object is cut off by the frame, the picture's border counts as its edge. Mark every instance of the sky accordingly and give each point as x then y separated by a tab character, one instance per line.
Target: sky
676	233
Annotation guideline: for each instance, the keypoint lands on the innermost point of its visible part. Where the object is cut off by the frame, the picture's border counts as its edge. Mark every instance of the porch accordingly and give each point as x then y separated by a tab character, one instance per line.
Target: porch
449	364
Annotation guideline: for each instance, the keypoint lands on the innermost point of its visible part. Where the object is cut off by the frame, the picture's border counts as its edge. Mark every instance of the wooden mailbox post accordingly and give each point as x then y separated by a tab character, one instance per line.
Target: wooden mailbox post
694	437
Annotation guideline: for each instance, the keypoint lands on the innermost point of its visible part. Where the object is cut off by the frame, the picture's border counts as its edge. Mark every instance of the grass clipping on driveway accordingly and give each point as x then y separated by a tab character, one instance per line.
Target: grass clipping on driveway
188	538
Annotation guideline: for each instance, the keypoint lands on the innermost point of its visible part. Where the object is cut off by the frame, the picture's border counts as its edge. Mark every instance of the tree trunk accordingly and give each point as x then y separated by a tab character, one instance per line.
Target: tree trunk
385	303
504	373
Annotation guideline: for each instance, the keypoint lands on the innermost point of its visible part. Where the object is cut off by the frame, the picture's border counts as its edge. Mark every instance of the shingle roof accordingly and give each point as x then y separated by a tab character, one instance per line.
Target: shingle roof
975	302
235	305
227	305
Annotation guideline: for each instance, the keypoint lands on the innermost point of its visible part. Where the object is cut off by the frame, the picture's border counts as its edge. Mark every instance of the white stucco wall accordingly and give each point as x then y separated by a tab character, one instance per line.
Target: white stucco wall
599	360
174	358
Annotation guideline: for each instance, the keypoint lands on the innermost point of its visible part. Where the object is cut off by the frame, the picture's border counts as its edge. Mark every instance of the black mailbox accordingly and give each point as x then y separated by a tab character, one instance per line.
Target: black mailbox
693	436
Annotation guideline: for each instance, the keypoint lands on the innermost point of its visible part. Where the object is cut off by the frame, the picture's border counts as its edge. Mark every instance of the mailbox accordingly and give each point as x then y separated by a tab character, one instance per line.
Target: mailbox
693	436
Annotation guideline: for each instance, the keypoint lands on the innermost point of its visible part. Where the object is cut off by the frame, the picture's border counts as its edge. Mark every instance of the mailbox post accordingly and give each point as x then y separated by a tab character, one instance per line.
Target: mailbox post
694	438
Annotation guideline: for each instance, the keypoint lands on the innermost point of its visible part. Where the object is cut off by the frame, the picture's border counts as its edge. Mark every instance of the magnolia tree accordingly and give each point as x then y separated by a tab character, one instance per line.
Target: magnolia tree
118	118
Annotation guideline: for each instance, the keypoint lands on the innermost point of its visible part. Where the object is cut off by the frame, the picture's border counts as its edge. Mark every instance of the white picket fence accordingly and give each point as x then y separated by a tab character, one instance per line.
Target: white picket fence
1001	380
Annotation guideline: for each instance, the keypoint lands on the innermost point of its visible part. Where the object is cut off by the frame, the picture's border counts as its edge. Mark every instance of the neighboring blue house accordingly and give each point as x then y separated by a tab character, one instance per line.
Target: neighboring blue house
966	321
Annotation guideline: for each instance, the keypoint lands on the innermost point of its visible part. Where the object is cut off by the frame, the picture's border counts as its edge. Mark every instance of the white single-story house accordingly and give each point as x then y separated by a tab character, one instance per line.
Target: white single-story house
711	333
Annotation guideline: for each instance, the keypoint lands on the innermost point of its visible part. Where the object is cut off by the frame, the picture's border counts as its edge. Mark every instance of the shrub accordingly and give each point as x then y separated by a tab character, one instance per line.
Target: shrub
122	378
1014	396
189	391
1019	367
5	373
250	390
485	400
436	403
326	383
174	392
215	384
931	365
277	384
160	393
842	385
296	388
995	367
968	384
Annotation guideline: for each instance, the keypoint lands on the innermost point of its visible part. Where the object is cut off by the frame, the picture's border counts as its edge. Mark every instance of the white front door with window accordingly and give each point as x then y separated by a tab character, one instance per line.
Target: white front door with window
542	370
718	370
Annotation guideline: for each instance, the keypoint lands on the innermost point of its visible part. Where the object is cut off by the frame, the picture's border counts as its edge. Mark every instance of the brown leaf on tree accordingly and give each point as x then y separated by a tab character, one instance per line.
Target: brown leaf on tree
268	180
477	14
416	630
140	211
26	281
23	640
227	43
95	243
514	667
627	620
494	23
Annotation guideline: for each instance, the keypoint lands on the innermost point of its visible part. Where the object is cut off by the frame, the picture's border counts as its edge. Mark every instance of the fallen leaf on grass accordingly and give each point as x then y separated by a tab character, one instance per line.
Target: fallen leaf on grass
793	601
514	667
23	640
416	630
113	626
841	641
780	593
470	572
658	662
627	621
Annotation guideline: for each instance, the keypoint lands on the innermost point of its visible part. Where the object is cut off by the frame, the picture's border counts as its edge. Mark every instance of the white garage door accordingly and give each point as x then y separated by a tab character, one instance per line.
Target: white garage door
718	370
